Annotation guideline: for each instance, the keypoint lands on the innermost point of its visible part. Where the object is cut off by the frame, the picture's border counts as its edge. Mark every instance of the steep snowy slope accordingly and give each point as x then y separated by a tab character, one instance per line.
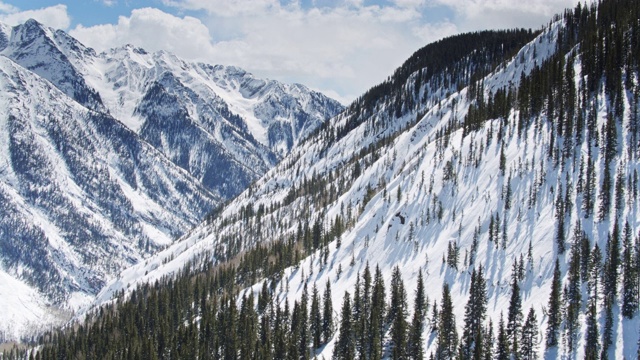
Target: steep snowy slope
33	46
82	195
438	172
105	158
241	124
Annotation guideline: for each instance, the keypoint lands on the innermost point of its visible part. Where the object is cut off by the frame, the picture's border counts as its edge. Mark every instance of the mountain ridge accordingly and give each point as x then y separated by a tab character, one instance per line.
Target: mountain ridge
87	190
525	151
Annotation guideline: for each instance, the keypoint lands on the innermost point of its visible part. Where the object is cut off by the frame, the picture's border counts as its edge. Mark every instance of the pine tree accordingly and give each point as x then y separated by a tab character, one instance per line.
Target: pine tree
316	318
357	315
560	235
416	344
378	310
488	342
612	263
514	316
573	294
280	332
327	314
607	333
475	312
264	297
447	333
345	347
605	194
529	337
398	315
554	320
364	345
502	349
503	160
592	336
294	341
247	326
629	275
303	345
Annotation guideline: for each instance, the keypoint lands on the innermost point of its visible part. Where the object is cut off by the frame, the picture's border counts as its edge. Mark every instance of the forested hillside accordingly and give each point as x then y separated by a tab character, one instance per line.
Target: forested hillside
481	203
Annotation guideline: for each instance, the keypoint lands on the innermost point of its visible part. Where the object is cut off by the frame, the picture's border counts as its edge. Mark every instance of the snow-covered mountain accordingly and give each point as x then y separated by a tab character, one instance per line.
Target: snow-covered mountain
104	158
82	195
503	150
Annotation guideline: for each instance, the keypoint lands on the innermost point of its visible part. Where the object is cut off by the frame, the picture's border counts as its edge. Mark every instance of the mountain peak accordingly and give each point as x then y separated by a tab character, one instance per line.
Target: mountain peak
109	157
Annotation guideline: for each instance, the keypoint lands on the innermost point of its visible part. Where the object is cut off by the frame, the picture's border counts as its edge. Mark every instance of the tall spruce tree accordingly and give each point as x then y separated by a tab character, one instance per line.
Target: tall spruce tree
592	336
447	333
573	295
475	312
488	342
346	345
398	316
612	264
629	275
378	310
514	315
554	320
327	313
529	337
502	348
364	345
315	318
416	344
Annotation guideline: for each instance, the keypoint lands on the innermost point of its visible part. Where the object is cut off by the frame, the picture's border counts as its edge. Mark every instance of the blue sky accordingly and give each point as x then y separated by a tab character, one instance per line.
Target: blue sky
341	47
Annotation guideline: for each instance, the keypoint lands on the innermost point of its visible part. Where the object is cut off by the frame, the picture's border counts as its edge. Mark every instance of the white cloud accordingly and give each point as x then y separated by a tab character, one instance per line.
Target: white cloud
153	30
8	8
344	45
54	16
494	14
347	48
434	32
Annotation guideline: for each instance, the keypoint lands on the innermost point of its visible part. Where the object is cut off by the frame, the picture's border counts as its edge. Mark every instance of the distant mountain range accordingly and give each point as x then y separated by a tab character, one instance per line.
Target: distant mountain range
105	158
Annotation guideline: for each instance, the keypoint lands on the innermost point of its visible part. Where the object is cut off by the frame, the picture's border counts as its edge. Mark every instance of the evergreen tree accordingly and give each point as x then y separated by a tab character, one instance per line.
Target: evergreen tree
629	275
247	326
488	342
529	337
303	345
327	313
364	345
264	297
280	332
475	312
398	316
592	336
357	315
447	333
294	340
316	318
514	316
554	320
607	333
573	294
605	194
416	344
595	273
503	160
378	310
345	346
612	263
502	349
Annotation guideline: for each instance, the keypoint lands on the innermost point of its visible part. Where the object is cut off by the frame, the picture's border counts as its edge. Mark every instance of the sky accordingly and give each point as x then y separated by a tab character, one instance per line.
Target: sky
339	47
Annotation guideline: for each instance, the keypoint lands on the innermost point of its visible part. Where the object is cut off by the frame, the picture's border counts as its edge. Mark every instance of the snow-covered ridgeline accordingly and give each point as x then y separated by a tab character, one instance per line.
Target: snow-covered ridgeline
462	179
